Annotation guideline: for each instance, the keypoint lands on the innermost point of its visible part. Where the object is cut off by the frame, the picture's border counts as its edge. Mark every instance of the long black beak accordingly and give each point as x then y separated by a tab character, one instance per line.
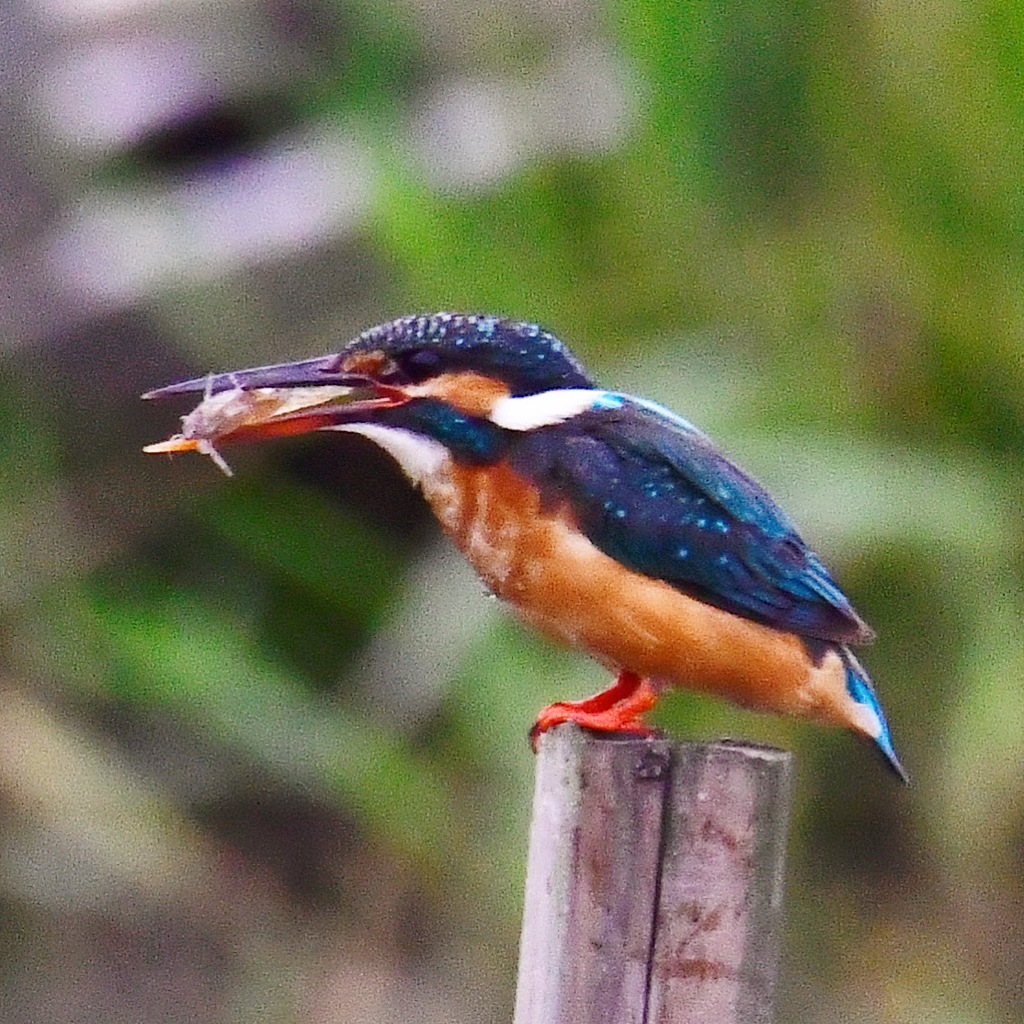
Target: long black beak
272	401
306	373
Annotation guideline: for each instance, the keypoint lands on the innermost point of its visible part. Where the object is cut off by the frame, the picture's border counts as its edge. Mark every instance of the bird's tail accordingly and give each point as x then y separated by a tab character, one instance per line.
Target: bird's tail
858	685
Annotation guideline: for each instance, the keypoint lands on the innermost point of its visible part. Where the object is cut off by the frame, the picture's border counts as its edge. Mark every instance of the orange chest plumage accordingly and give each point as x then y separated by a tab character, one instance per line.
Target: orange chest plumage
537	561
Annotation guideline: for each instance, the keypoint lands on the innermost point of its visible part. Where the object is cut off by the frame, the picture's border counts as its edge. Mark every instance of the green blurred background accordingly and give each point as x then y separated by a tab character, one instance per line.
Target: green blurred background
262	739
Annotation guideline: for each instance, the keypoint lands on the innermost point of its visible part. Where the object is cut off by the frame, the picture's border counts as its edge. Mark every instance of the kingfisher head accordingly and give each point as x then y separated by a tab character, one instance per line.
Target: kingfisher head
459	380
512	356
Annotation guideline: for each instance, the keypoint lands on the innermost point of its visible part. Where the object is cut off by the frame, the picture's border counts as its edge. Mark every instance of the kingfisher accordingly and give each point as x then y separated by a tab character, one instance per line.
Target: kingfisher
604	520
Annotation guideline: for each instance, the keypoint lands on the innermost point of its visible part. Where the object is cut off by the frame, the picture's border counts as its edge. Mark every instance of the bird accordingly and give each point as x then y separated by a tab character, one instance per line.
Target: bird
604	520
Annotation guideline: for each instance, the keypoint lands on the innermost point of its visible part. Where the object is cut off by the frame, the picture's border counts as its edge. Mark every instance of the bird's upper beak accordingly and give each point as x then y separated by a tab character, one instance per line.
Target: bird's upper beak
306	372
268	401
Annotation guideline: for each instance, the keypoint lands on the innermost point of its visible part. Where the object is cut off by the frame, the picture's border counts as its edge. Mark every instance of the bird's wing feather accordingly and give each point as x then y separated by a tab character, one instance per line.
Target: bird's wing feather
653	492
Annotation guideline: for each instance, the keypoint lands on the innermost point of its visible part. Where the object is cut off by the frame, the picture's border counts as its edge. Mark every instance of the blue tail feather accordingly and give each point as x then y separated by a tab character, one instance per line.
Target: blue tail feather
858	685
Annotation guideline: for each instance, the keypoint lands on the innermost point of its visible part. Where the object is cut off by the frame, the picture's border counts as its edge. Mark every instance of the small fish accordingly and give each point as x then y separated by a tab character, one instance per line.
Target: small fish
227	412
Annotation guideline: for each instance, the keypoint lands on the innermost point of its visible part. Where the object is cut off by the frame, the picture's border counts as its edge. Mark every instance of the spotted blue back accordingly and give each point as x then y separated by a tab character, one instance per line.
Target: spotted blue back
653	492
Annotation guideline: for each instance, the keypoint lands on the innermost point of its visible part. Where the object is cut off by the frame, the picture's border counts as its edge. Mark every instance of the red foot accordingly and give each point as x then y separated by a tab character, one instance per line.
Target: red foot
618	709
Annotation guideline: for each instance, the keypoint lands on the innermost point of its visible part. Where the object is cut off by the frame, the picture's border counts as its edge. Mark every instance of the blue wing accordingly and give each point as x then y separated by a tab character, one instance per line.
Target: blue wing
653	492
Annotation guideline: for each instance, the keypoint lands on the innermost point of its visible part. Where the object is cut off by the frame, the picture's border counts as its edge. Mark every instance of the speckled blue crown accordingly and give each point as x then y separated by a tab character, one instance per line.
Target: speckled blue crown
523	355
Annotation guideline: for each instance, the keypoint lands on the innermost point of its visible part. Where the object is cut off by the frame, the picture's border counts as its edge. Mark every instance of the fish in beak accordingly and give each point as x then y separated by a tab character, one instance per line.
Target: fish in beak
270	401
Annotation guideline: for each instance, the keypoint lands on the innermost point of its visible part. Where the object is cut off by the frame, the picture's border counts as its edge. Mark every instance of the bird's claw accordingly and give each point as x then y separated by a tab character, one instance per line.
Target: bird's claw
620	708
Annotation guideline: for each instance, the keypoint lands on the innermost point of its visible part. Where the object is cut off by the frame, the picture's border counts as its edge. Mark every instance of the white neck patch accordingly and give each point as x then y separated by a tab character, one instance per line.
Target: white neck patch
420	457
549	407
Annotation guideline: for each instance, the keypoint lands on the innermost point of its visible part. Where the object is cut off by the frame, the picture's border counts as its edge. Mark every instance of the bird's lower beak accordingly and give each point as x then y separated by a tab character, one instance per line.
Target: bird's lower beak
271	401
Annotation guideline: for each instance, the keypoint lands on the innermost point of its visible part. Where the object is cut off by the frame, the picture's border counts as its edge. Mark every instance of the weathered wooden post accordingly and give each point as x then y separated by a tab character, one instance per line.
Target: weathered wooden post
654	882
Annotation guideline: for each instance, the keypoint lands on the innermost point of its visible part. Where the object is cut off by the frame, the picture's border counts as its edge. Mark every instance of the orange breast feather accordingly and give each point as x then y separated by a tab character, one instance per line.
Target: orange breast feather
561	583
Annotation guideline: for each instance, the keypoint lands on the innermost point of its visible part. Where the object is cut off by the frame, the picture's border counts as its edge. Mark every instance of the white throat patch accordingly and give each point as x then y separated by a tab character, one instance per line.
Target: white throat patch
546	408
421	458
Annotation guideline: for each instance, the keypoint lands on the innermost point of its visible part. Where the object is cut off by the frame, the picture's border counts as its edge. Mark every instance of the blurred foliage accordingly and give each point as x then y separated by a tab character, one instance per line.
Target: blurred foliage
807	238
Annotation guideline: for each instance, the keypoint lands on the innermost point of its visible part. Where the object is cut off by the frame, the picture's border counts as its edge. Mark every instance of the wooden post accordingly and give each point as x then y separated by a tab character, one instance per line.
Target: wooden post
654	882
